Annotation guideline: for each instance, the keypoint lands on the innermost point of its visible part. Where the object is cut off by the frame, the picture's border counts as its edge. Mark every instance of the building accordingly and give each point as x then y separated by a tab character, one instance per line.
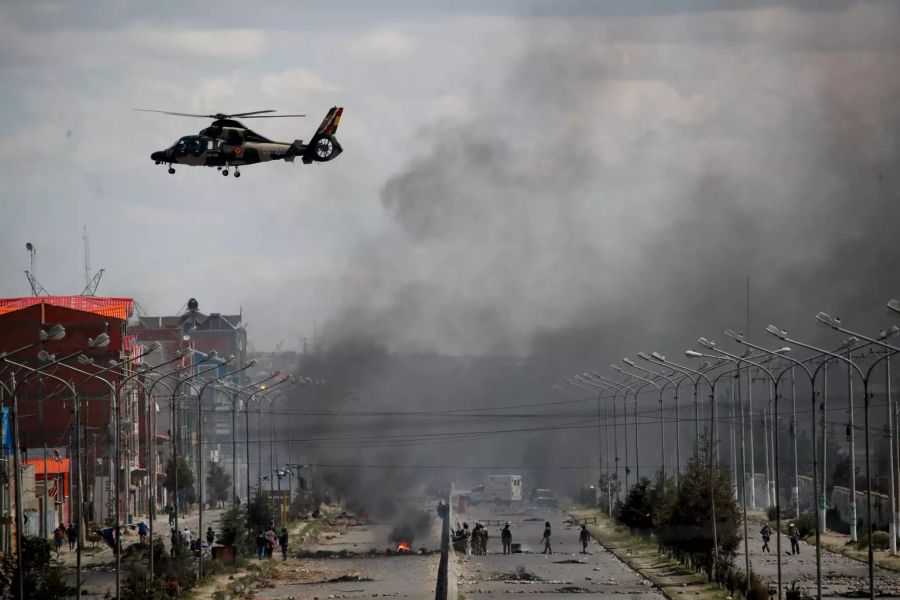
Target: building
47	408
196	334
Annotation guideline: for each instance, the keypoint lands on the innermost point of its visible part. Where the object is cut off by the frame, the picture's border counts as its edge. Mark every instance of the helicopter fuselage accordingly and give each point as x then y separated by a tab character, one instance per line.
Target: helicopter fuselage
229	144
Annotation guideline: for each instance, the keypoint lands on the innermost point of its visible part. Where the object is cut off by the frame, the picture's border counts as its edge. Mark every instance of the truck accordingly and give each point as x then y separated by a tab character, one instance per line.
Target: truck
499	489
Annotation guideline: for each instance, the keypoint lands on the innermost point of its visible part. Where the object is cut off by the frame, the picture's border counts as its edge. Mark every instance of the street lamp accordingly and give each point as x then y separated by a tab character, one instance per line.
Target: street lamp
711	345
604	388
211	355
865	376
675	385
101	341
117	424
662	430
836	324
625	389
54	334
249	365
77	464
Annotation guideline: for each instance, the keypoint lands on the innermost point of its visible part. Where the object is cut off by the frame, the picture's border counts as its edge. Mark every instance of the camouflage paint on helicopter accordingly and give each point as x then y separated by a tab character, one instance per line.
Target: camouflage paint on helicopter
228	143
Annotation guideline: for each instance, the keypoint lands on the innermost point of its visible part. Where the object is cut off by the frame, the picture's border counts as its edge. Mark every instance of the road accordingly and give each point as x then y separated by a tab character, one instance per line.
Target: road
841	576
560	574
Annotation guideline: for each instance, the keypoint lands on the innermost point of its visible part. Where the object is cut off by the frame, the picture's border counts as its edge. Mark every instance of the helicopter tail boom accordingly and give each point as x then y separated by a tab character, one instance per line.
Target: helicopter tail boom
324	146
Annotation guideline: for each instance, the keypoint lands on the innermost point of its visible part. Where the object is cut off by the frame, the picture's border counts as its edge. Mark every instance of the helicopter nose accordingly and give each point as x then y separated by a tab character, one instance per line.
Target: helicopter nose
158	156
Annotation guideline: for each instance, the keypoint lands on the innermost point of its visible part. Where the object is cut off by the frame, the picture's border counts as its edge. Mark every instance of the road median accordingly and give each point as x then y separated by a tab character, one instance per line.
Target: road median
672	578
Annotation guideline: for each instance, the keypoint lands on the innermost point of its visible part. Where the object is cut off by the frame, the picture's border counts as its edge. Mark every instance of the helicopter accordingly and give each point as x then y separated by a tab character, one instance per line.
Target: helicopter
227	143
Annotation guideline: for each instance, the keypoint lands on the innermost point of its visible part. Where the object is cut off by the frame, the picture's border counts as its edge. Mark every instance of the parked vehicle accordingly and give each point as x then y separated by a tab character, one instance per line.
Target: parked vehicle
544	497
499	489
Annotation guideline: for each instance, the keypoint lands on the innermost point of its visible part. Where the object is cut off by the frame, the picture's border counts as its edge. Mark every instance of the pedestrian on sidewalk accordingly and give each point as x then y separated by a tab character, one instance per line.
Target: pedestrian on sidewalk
260	544
59	536
766	533
794	536
72	534
271	541
585	537
283	542
546	539
506	538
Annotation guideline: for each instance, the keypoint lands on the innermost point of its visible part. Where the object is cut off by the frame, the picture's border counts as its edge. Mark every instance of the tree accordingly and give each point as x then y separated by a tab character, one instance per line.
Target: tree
218	484
185	480
259	512
637	510
689	526
42	578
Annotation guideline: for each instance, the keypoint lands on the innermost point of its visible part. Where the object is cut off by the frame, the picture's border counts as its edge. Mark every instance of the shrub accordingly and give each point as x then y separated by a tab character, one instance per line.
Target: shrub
881	540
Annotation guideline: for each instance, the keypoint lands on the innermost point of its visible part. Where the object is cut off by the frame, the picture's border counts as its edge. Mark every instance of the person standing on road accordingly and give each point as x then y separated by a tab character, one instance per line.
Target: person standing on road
546	539
766	533
794	536
467	537
72	534
484	540
142	532
271	540
210	536
506	538
585	537
283	542
59	535
260	544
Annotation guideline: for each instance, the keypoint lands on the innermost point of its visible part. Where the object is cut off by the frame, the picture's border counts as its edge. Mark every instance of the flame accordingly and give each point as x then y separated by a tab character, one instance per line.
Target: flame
403	547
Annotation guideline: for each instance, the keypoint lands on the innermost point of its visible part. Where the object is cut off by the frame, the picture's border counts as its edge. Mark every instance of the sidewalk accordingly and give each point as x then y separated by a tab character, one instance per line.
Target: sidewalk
671	577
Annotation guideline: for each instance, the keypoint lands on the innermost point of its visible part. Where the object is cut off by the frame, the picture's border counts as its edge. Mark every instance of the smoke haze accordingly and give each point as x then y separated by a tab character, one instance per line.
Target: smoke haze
610	194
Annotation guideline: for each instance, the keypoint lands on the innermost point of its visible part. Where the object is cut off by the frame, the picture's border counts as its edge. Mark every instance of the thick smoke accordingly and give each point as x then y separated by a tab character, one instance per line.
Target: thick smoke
612	194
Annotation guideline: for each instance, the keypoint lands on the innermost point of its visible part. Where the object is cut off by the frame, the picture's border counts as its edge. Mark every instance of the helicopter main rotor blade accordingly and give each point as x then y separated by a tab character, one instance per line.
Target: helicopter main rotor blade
252	112
166	112
271	116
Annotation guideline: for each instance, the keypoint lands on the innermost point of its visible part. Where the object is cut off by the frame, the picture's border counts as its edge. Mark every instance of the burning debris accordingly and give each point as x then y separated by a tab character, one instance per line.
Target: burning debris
411	525
521	574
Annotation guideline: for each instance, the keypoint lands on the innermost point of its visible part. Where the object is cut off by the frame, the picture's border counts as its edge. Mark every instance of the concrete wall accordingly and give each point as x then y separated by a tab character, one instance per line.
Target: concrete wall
881	508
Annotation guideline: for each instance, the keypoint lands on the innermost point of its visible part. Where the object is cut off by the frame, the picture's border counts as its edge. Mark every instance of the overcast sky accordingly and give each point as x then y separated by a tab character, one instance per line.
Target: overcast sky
506	170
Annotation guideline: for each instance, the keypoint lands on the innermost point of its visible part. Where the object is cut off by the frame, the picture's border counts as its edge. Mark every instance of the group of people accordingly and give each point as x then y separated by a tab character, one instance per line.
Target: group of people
267	539
476	540
793	535
63	533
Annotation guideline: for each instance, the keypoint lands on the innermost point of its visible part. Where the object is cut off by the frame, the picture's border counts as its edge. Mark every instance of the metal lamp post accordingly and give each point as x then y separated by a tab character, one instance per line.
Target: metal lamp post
77	464
604	388
249	365
837	325
675	386
625	389
711	345
117	425
101	341
600	438
662	430
865	376
209	356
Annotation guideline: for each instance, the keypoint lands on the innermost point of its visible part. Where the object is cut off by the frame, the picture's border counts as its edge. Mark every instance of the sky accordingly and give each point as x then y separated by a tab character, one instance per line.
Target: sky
509	171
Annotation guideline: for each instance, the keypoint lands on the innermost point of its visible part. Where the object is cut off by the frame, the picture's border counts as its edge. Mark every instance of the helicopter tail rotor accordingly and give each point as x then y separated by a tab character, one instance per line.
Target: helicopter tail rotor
324	146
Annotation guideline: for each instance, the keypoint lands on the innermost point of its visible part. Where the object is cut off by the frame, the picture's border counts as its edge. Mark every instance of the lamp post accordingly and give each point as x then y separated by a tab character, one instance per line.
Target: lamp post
634	394
235	394
711	345
604	388
117	426
675	385
625	389
209	356
250	364
865	376
263	389
837	325
101	341
662	430
77	465
713	444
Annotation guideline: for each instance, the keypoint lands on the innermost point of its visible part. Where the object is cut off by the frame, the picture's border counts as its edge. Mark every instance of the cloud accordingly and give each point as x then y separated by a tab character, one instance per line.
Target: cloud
384	44
294	83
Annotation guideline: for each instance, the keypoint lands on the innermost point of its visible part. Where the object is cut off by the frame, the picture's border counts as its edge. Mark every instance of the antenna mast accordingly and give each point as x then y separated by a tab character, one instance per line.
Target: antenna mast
90	283
36	288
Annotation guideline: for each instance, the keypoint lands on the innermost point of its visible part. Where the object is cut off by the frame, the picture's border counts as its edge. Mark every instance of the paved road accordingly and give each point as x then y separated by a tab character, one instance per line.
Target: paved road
562	573
840	574
373	574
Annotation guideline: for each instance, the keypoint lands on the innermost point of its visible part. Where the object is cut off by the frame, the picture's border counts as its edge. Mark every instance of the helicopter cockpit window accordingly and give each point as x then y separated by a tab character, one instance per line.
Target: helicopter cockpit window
189	145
